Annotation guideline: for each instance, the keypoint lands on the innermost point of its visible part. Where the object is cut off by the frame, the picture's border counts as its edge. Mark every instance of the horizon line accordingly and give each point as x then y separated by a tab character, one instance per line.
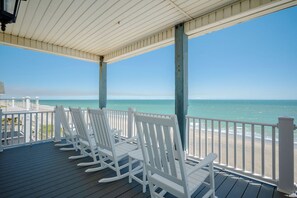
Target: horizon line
159	99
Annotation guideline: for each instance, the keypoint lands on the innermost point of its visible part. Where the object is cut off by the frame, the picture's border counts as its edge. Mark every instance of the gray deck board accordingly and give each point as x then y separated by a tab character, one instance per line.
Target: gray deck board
265	191
42	170
225	188
252	190
239	188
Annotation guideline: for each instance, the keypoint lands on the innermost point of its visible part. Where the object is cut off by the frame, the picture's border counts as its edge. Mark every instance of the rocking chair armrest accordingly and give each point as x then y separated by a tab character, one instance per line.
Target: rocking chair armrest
132	139
206	161
116	131
90	133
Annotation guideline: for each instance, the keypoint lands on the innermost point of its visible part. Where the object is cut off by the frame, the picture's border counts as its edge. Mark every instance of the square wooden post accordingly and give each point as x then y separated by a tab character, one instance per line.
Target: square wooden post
102	83
181	80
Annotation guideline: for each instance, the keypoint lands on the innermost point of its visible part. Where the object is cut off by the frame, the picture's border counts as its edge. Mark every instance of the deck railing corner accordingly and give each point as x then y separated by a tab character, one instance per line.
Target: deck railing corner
57	127
286	155
1	149
131	112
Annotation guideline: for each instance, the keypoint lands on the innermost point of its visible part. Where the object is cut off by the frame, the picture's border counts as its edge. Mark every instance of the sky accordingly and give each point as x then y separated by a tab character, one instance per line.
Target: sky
252	60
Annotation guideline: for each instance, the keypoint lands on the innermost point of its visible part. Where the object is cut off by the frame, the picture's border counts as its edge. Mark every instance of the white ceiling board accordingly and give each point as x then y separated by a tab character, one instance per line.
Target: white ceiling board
116	42
48	15
146	24
90	28
73	7
112	25
39	14
70	22
84	21
99	24
150	29
28	19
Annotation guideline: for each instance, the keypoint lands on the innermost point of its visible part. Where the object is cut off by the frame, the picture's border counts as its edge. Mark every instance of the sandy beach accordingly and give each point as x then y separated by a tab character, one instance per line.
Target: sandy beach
194	151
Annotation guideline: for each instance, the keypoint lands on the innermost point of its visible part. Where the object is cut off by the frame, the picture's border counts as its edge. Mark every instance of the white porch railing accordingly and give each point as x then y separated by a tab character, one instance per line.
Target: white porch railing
257	150
18	104
250	149
25	127
119	119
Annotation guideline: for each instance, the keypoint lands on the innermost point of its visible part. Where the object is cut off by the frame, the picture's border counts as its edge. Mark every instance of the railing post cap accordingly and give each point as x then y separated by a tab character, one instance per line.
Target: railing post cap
131	109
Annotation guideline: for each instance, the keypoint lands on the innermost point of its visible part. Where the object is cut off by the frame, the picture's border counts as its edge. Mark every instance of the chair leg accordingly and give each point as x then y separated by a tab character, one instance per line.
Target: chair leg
112	179
62	144
152	190
130	169
89	163
144	181
117	167
211	178
82	154
77	156
90	170
67	149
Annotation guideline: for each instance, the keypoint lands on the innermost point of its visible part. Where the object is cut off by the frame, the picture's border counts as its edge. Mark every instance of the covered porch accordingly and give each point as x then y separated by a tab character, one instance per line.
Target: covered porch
80	30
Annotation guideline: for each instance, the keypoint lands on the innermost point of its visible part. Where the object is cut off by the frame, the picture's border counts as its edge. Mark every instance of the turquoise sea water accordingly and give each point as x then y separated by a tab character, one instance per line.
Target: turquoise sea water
265	111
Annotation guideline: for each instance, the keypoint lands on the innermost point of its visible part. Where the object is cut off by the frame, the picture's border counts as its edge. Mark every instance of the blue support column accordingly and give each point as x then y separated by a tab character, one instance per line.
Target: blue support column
102	83
181	80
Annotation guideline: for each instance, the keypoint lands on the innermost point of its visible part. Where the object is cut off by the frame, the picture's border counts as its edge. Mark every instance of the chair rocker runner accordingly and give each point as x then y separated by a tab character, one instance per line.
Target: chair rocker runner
69	133
112	151
86	139
164	159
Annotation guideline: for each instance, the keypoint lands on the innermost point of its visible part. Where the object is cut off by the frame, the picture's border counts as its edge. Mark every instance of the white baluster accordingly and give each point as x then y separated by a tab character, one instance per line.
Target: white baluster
12	102
28	104
37	103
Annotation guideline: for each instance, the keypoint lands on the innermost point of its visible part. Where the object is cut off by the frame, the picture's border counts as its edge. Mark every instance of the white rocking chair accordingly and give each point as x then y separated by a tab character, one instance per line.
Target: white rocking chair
112	151
164	159
86	139
69	133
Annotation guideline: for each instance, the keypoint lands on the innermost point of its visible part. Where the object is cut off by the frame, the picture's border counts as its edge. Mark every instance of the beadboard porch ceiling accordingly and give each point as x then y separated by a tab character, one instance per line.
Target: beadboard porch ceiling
117	29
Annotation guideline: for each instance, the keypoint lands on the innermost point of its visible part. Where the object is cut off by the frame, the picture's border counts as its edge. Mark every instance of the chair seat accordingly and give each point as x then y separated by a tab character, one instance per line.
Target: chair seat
121	149
124	148
194	179
73	133
137	154
90	143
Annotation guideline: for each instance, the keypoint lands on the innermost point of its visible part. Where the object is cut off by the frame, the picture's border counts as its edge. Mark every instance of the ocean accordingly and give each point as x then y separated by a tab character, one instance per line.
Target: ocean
264	111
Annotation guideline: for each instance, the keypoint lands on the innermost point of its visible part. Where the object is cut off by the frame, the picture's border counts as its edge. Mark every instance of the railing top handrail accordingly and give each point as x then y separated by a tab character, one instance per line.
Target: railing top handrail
85	109
154	114
123	111
17	98
26	112
235	121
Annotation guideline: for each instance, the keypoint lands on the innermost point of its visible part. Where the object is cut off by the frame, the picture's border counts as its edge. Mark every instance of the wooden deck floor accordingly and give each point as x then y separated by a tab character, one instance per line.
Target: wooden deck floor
42	170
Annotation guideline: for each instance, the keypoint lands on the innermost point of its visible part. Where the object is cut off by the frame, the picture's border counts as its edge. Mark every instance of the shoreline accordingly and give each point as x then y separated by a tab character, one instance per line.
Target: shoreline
194	151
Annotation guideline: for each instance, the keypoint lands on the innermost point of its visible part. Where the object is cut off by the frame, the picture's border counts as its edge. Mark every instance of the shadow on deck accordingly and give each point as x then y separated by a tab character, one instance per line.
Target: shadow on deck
42	170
